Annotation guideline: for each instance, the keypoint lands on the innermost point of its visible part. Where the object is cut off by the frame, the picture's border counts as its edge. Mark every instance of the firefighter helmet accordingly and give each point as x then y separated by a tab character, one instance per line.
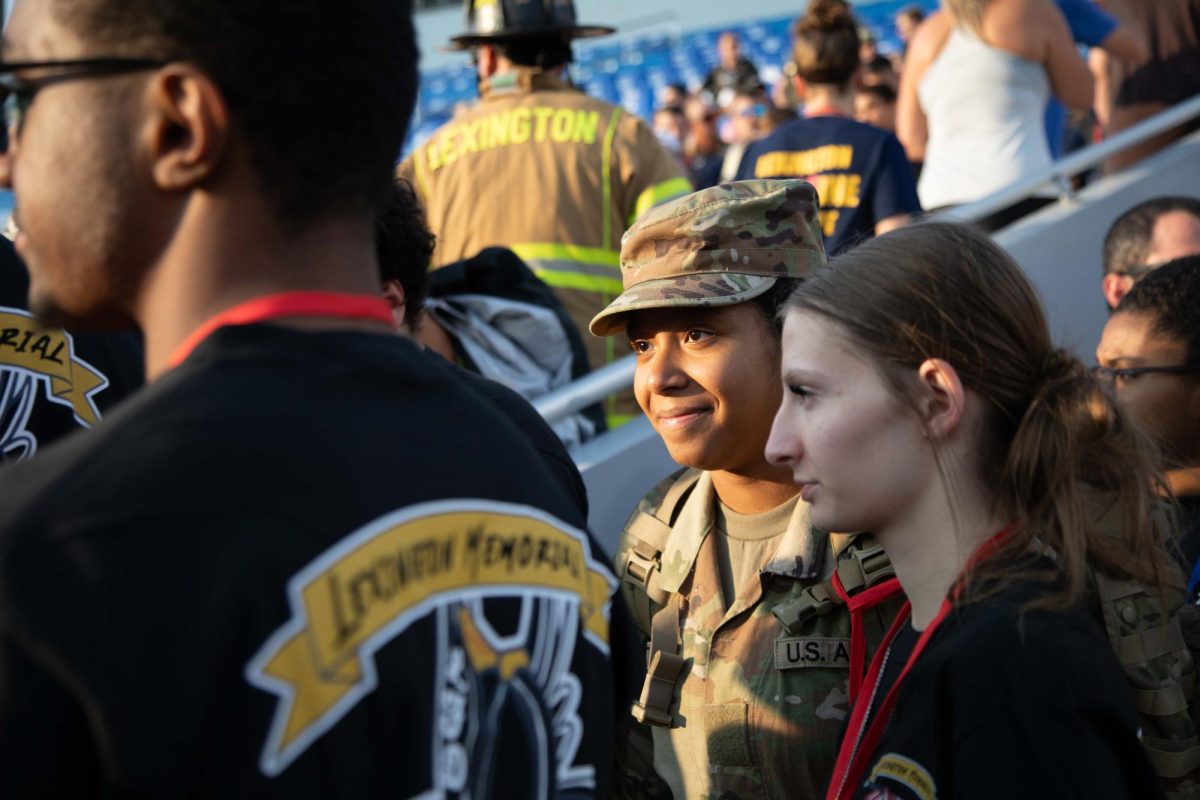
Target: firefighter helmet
500	20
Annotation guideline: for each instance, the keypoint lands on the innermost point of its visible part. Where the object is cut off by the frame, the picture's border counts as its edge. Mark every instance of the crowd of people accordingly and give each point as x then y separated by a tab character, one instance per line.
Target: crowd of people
915	550
981	92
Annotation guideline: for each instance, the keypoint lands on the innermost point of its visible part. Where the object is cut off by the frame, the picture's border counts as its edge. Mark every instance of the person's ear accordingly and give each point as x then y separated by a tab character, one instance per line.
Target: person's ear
393	292
188	130
800	86
487	59
942	398
1115	287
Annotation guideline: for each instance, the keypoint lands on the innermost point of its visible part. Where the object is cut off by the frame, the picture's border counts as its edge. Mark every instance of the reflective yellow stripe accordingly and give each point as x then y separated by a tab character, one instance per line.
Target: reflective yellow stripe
575	280
547	251
667	190
606	177
418	158
617	420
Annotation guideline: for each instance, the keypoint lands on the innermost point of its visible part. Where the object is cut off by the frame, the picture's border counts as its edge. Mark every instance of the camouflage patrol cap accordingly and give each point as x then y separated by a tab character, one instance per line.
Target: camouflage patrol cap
716	247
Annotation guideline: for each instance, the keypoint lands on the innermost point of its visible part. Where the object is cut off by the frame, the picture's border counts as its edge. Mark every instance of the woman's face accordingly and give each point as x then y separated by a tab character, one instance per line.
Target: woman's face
708	380
858	452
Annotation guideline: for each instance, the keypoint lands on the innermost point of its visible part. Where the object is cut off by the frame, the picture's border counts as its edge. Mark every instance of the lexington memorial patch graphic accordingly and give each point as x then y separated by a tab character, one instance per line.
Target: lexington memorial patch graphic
512	593
39	364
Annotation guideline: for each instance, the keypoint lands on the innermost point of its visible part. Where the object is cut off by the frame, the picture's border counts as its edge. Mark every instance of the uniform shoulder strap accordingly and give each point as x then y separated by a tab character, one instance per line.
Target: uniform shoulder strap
861	564
656	512
656	611
647	531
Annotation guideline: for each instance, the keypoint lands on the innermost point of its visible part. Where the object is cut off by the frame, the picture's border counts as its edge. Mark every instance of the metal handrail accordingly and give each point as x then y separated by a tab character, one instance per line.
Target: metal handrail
1060	171
618	375
591	388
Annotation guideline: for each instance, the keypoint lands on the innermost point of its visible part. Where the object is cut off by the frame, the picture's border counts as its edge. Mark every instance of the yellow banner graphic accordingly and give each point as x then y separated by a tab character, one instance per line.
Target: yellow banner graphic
370	587
49	352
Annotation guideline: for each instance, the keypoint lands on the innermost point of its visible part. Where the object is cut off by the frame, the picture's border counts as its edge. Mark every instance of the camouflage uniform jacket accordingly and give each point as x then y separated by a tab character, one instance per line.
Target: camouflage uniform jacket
758	708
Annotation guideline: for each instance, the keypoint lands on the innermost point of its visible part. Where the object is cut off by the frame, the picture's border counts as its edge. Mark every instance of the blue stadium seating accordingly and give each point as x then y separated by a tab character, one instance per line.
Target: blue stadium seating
632	72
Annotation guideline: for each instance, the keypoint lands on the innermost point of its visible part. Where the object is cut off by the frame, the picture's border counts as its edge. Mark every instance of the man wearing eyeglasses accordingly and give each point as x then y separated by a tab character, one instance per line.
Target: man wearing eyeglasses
1145	237
304	561
1149	355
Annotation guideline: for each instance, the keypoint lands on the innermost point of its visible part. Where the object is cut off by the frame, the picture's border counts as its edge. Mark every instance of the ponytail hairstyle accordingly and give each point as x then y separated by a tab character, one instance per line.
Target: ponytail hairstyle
825	47
967	13
1064	466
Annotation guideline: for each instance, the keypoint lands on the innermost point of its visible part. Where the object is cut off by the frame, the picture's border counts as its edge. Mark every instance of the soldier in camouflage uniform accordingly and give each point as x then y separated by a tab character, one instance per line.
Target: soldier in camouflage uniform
749	649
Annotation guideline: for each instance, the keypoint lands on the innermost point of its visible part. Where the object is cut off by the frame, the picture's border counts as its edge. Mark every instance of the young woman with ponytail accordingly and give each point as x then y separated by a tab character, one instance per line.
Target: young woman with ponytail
864	181
925	402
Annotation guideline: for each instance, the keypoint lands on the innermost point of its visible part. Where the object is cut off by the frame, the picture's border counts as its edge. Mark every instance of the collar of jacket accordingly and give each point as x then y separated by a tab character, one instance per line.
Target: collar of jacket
800	553
521	80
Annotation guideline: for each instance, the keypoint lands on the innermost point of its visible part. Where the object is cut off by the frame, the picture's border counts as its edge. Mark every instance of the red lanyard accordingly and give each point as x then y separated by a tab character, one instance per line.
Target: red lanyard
857	605
862	737
288	304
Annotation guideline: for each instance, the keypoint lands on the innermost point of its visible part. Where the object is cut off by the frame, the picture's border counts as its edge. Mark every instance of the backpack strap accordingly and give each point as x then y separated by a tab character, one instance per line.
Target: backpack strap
650	527
664	669
657	611
860	565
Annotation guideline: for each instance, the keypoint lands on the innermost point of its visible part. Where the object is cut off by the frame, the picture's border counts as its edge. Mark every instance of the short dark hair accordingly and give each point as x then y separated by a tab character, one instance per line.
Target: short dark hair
771	303
1129	239
1171	295
879	64
881	90
913	12
404	246
322	96
546	52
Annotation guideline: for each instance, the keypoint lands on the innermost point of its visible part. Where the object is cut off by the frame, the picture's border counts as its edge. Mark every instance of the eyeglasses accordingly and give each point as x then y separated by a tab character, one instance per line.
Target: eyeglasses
1112	374
17	93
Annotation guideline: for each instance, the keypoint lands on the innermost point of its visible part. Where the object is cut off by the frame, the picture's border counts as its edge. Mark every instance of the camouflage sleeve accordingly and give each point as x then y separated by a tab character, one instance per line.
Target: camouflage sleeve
648	175
1162	676
633	775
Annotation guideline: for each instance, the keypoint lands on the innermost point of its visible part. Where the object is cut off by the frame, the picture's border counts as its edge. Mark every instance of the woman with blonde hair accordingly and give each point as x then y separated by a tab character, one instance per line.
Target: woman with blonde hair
973	95
925	402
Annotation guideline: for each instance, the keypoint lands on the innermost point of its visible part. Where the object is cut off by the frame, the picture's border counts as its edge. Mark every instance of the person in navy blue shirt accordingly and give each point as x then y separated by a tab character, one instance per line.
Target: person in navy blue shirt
861	174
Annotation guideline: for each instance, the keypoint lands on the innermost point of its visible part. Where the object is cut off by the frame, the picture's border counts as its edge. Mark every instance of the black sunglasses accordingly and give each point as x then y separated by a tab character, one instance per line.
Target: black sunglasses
1111	374
17	93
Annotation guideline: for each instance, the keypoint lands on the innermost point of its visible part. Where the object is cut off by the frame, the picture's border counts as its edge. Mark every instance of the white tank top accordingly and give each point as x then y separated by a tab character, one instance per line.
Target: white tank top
985	110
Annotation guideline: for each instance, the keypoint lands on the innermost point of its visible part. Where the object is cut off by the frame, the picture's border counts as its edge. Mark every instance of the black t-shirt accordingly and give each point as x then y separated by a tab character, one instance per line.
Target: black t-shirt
1009	705
300	565
53	382
528	421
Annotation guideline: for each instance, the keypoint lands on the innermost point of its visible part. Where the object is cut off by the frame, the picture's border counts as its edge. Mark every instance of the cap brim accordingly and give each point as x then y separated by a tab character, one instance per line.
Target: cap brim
697	290
469	40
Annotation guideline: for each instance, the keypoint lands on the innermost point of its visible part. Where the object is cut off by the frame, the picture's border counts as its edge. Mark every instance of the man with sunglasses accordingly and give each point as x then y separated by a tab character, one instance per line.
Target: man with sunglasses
1149	355
1145	237
304	560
